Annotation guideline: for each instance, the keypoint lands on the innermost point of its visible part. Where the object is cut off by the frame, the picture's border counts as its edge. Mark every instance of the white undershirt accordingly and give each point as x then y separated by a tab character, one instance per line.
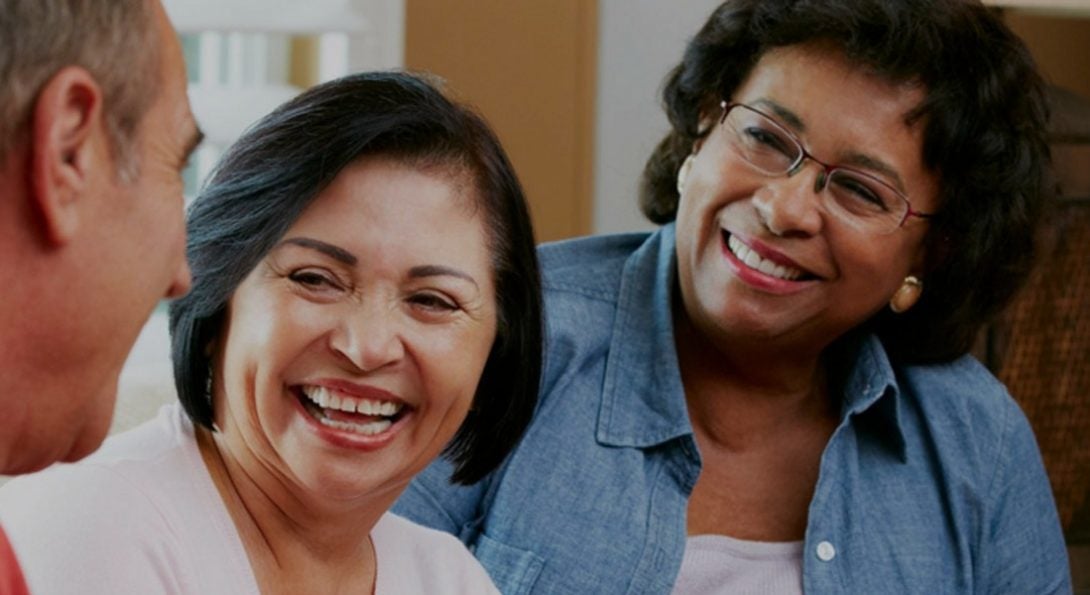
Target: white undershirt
715	564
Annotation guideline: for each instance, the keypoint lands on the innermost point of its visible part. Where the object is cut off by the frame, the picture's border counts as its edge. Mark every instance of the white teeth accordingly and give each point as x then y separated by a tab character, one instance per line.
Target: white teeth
367	429
754	261
384	408
326	399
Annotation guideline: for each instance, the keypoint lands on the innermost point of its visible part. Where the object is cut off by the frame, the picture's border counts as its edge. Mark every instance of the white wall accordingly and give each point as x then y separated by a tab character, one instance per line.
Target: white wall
639	41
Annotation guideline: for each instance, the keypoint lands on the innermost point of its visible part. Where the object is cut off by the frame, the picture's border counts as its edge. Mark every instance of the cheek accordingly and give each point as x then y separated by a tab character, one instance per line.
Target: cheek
264	339
875	268
163	202
692	198
691	220
280	322
714	193
451	368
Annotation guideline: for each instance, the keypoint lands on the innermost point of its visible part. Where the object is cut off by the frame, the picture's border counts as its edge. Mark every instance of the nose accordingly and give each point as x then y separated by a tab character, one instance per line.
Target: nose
368	338
181	282
182	278
791	205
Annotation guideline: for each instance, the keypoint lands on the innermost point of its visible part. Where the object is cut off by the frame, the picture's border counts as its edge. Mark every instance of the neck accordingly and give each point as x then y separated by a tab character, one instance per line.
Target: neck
19	348
52	403
739	394
291	539
59	381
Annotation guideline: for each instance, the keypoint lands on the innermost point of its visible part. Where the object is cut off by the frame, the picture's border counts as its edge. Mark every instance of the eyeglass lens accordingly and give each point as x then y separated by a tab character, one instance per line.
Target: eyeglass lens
861	200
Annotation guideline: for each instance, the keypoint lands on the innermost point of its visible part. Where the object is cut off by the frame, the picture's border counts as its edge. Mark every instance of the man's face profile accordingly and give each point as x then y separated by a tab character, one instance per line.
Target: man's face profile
124	253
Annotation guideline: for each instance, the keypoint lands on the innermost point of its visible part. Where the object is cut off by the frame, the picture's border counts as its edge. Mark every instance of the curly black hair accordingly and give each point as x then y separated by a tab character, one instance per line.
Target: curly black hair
984	116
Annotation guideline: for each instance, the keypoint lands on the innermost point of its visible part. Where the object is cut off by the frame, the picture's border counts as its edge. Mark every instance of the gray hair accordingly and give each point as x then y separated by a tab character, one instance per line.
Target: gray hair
115	40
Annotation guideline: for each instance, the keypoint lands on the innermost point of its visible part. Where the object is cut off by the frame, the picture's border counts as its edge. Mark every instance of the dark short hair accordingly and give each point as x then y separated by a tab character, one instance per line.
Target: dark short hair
266	180
984	118
116	41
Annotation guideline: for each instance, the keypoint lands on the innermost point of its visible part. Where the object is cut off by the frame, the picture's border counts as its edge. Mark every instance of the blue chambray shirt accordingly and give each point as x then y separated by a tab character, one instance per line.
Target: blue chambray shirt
931	483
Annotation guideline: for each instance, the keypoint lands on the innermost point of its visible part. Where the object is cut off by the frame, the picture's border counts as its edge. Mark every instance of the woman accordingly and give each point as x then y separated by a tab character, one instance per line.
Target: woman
365	296
770	394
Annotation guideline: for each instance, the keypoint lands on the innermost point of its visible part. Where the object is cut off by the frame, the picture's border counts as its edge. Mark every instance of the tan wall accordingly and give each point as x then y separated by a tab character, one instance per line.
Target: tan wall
1061	46
529	67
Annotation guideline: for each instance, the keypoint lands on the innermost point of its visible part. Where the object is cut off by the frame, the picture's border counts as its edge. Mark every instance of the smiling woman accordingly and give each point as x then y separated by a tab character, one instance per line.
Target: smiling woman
365	299
771	393
350	355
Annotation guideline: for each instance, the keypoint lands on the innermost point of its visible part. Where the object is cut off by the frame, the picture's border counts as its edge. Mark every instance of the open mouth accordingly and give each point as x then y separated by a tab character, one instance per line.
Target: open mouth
366	417
751	259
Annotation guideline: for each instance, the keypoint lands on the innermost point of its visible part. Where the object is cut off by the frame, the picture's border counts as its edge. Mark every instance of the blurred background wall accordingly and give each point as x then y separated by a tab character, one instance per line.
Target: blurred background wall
571	86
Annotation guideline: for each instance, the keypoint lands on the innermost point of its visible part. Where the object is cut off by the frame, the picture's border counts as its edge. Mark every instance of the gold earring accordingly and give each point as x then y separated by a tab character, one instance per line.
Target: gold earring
907	294
683	172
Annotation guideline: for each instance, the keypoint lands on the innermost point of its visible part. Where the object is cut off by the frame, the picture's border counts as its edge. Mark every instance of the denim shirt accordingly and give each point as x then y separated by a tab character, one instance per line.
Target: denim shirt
931	483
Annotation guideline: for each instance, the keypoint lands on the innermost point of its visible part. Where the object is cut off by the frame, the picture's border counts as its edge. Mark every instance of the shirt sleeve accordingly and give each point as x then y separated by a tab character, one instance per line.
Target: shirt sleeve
1023	549
433	501
11	576
81	529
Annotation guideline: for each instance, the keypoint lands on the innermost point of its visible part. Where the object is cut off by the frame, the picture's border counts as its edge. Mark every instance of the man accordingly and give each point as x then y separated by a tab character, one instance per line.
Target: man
95	128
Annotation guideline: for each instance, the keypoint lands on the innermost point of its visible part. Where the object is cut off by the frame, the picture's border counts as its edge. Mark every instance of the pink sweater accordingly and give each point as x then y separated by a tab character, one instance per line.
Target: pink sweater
143	516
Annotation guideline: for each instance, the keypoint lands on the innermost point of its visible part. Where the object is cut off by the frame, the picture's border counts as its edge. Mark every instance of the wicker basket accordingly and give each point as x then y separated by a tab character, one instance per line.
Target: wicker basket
1040	349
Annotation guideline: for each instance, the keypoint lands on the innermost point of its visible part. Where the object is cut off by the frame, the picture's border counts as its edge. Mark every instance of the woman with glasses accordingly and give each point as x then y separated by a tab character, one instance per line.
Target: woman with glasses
771	393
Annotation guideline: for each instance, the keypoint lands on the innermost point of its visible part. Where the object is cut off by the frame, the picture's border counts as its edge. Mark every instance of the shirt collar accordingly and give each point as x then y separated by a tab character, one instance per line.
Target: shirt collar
643	399
871	395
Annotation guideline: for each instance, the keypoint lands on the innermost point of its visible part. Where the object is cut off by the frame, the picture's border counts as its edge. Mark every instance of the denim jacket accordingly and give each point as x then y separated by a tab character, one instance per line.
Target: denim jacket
931	483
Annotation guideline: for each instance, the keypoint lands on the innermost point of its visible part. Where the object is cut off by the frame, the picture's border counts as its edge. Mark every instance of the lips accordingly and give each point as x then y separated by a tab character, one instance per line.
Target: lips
754	261
350	413
764	260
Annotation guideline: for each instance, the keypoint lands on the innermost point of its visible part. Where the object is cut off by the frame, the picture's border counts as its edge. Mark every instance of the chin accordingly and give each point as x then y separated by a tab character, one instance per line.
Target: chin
25	465
86	443
90	427
64	429
347	481
37	456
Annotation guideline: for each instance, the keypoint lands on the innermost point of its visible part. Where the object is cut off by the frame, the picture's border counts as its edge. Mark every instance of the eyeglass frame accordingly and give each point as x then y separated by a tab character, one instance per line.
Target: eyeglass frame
827	169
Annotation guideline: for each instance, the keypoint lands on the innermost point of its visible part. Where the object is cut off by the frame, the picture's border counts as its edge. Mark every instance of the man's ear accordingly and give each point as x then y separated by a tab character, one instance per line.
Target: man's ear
67	118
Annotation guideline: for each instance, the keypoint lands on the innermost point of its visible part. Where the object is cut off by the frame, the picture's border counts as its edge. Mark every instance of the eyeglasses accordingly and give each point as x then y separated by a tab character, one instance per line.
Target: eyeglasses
860	200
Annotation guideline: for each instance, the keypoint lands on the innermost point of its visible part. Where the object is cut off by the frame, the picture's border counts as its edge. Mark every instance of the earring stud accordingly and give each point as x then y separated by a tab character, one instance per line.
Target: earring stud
907	294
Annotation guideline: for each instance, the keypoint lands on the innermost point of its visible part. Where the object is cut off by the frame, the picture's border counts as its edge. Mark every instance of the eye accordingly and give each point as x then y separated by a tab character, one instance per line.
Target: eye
433	302
858	193
763	138
314	280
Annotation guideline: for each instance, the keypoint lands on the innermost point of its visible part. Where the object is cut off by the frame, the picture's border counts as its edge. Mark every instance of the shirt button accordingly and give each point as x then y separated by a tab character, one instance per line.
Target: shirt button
825	551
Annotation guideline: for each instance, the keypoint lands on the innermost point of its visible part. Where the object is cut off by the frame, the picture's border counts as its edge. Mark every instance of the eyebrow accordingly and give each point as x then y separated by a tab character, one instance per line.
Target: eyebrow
854	159
435	270
342	255
334	252
783	113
